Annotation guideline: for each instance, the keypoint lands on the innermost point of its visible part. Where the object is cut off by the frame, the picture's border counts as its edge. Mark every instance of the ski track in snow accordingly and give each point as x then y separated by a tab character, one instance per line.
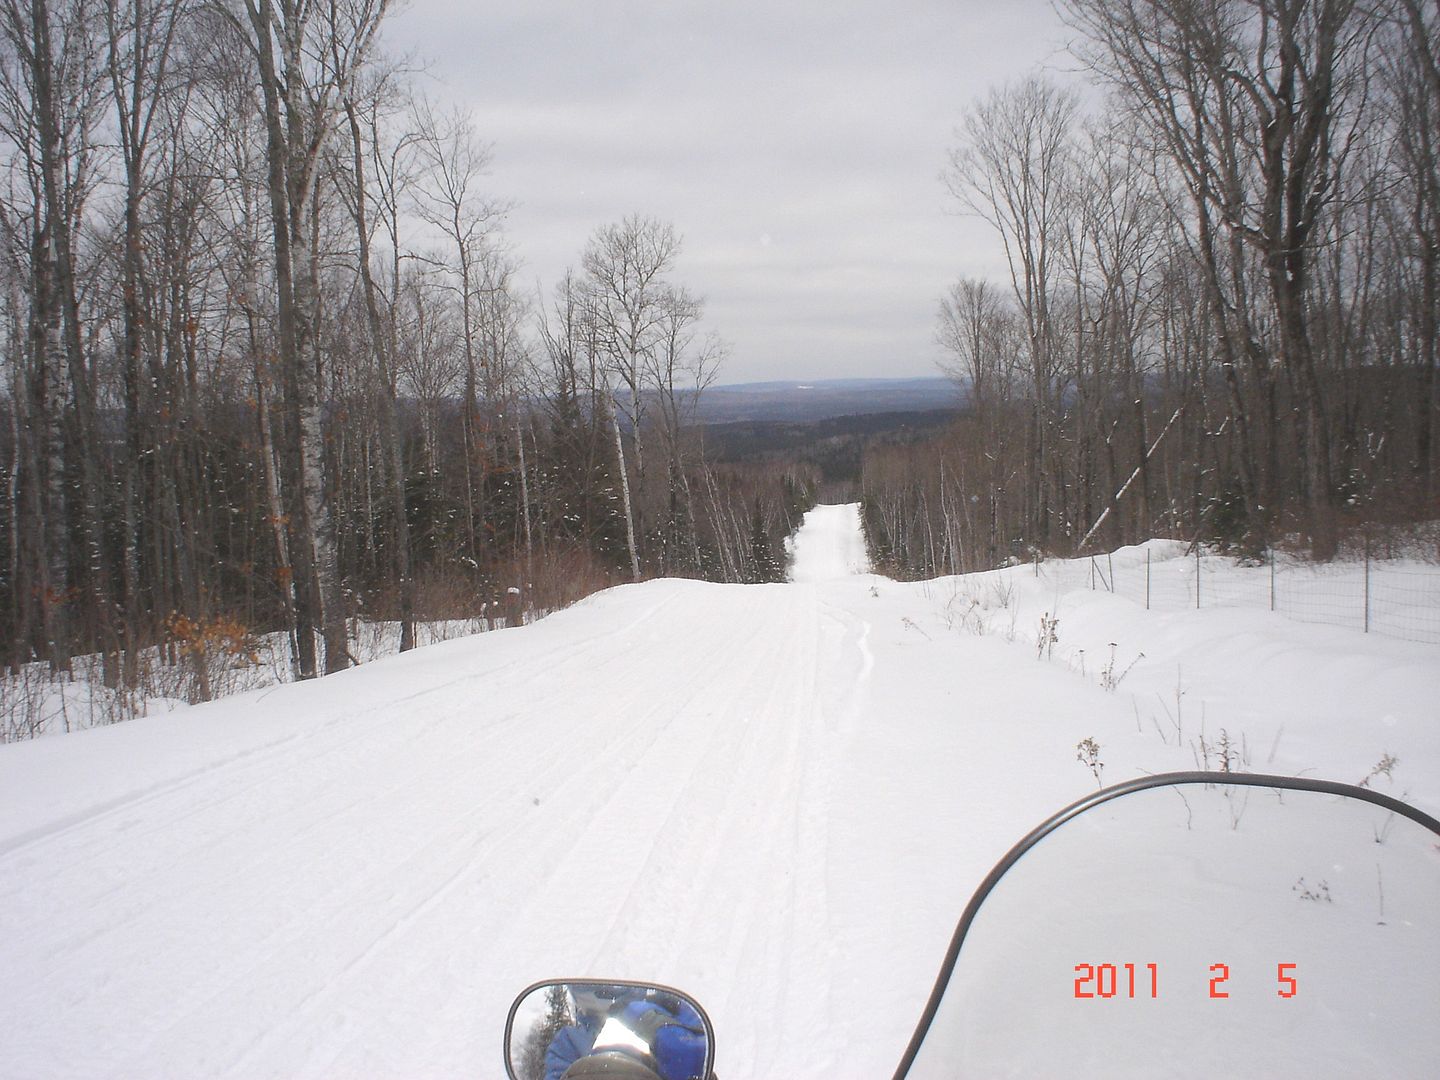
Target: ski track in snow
777	797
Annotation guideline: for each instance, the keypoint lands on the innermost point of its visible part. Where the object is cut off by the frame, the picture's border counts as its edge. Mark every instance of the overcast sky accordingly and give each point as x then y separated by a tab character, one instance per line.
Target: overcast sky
796	145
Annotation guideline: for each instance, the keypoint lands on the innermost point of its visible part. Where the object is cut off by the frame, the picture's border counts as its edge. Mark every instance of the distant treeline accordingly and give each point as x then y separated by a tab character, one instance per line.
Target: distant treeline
835	446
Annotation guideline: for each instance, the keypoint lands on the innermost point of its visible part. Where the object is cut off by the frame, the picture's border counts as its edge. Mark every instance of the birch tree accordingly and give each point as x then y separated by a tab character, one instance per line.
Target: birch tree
51	100
626	266
306	61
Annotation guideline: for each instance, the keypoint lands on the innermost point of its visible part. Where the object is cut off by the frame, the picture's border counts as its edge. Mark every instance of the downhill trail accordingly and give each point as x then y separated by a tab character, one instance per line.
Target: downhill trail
777	797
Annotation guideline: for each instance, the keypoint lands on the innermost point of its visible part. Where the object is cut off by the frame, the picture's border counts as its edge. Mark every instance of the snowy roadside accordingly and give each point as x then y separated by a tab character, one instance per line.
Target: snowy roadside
35	703
1289	696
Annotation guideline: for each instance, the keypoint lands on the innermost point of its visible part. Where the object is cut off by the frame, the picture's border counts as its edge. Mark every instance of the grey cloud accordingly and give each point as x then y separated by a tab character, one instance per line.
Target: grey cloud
820	126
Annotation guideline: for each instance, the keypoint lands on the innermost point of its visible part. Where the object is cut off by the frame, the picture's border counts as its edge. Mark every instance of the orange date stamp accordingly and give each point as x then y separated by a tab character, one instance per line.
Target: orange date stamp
1132	981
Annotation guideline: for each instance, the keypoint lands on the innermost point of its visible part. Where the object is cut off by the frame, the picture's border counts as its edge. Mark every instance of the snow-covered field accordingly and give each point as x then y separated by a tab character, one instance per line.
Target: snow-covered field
778	797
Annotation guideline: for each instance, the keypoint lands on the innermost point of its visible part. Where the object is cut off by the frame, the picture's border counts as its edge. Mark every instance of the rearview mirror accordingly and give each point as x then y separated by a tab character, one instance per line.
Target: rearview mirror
582	1028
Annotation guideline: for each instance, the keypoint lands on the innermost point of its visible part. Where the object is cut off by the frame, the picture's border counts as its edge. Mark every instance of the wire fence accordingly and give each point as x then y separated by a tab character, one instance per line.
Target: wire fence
1398	598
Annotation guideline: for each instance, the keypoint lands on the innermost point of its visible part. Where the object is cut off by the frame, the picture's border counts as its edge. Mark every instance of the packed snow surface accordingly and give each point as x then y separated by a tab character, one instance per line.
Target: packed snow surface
830	546
778	797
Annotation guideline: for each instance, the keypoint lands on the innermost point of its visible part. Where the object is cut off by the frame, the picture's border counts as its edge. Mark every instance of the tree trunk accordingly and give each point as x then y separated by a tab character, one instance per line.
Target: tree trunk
53	553
392	448
625	491
525	502
64	298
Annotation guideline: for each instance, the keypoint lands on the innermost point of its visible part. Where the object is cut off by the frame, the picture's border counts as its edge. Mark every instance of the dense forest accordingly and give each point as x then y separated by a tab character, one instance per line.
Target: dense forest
1220	317
267	366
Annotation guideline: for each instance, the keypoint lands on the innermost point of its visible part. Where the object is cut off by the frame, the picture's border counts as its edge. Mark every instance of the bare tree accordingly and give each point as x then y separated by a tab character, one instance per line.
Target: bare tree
141	39
1123	230
583	452
306	61
1009	169
1412	71
454	160
236	397
971	329
979	331
52	102
679	368
361	116
1257	102
626	266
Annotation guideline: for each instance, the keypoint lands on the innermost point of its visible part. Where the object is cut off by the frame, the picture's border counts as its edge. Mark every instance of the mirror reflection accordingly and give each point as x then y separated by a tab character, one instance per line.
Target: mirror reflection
620	1030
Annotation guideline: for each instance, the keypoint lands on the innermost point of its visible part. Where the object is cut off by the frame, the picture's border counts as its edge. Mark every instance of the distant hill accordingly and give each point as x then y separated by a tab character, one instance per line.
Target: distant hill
835	443
821	399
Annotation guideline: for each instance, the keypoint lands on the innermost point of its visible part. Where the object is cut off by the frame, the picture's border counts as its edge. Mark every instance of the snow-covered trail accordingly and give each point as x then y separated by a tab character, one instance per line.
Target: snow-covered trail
640	786
777	797
830	546
364	898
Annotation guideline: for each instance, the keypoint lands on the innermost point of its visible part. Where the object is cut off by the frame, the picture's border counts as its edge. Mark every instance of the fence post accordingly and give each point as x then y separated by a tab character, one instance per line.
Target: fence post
1147	579
1272	579
1110	558
1367	581
1197	577
1092	573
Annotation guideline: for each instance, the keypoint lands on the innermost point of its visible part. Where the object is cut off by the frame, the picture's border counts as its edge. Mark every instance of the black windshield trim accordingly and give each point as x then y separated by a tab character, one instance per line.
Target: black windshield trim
1129	787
